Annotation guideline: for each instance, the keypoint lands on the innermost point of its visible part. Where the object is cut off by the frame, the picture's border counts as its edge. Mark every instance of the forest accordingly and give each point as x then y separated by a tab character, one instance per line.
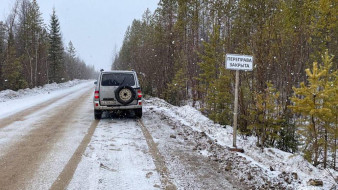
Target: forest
33	54
289	101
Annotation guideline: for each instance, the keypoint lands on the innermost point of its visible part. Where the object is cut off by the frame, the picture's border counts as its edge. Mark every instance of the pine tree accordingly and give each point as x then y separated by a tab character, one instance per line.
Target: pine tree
267	119
12	68
314	101
281	35
333	126
324	27
214	80
56	60
288	136
36	29
211	58
70	60
223	98
330	101
176	90
29	37
71	50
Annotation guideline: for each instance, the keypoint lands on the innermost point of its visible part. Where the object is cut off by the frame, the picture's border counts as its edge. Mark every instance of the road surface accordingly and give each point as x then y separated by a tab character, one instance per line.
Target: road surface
56	144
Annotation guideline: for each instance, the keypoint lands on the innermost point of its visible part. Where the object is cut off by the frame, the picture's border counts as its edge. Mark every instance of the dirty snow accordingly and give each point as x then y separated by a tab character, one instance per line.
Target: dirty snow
104	162
291	171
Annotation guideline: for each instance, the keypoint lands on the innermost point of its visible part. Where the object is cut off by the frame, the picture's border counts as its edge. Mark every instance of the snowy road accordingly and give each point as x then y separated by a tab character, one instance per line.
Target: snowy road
38	141
42	145
51	141
117	158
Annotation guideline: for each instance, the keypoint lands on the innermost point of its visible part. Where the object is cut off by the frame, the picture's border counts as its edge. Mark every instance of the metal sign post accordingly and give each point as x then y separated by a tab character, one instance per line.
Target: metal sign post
237	62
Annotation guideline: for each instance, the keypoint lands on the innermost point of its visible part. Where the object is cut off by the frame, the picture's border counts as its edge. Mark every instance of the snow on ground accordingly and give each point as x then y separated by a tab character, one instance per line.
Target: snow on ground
188	168
6	95
62	151
102	166
26	126
15	101
116	158
274	167
11	132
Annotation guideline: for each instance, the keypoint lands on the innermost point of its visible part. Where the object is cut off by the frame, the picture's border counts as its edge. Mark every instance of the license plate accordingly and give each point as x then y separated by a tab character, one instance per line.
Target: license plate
107	102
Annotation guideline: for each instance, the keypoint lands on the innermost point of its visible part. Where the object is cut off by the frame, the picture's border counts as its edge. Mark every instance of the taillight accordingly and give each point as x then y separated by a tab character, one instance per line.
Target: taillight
139	93
96	95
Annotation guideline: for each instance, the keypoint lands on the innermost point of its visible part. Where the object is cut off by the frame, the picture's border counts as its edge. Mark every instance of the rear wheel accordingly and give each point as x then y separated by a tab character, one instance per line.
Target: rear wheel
138	112
97	114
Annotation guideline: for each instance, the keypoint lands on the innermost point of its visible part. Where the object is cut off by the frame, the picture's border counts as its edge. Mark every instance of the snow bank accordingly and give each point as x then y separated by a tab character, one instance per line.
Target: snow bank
6	95
17	101
272	161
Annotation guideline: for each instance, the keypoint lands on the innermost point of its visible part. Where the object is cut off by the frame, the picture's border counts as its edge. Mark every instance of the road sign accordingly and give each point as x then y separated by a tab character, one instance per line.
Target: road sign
243	63
239	62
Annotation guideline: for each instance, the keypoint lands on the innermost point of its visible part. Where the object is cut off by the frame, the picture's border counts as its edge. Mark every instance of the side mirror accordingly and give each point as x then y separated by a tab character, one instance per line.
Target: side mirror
95	82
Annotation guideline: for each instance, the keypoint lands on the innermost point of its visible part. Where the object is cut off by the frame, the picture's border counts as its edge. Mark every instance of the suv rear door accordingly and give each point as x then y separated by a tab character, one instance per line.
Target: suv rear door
110	82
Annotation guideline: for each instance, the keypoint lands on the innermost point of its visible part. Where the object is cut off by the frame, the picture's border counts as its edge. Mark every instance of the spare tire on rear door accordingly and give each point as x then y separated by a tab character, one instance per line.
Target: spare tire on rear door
125	94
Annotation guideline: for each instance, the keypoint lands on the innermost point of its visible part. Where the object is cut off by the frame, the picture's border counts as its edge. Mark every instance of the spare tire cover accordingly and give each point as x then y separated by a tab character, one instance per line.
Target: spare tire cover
125	94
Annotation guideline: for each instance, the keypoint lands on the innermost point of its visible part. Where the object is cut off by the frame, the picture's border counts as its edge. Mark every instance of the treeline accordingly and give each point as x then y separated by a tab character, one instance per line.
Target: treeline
179	53
32	54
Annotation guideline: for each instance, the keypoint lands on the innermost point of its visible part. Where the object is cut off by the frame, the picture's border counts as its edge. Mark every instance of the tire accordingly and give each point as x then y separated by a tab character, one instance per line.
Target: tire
125	94
138	112
97	114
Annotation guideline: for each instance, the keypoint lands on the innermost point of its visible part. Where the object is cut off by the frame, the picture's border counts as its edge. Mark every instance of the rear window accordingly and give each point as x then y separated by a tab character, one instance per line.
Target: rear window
118	79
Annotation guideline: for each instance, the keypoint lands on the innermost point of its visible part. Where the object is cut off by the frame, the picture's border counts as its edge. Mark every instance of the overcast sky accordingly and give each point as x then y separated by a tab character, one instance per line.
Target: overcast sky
95	27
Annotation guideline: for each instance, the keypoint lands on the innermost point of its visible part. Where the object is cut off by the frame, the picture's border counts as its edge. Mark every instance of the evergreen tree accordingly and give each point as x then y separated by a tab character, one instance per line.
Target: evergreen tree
223	112
70	60
267	119
288	136
179	52
36	30
330	101
176	90
71	50
209	60
314	102
12	68
214	80
324	27
56	60
28	54
29	37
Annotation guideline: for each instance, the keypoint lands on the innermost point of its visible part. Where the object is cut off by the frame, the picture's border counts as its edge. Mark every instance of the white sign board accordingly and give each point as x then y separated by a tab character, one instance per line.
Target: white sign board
239	62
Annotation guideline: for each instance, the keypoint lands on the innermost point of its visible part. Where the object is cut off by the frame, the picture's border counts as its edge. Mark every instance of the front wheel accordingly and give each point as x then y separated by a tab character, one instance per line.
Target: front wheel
97	114
138	112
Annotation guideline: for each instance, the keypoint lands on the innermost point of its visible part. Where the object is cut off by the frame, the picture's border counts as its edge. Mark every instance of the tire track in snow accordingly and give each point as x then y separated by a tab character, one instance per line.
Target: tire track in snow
22	114
158	159
19	164
68	171
117	157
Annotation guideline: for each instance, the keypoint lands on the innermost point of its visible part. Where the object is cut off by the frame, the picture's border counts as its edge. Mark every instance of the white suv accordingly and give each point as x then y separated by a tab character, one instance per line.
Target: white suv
117	90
